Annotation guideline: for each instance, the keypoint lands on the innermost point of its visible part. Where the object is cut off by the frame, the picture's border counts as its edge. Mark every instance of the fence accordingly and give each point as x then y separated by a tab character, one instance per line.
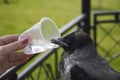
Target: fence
40	65
44	66
106	35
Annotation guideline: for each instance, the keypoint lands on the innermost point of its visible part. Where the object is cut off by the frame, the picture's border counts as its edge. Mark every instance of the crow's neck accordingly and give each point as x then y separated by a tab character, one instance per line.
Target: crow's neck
86	51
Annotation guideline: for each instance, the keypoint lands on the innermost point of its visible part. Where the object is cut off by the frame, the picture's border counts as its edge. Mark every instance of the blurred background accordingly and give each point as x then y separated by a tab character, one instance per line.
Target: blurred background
18	15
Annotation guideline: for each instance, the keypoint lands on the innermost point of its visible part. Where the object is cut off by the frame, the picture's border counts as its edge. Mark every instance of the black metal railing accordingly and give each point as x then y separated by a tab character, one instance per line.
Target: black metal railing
45	66
49	67
106	35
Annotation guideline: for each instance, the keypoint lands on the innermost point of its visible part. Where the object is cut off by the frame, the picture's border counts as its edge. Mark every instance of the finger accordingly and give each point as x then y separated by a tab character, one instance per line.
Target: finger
12	47
18	58
8	39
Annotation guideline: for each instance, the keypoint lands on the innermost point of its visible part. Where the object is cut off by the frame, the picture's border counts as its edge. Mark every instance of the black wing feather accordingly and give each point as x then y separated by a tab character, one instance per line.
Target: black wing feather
78	73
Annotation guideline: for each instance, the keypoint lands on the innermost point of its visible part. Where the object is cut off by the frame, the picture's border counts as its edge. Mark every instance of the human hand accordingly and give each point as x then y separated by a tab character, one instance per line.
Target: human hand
9	55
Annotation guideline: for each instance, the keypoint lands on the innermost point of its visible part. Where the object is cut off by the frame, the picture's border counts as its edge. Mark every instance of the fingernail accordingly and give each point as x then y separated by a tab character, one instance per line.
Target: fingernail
25	40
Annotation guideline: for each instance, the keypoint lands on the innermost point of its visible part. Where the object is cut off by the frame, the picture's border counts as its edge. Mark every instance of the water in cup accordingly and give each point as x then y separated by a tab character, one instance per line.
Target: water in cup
40	36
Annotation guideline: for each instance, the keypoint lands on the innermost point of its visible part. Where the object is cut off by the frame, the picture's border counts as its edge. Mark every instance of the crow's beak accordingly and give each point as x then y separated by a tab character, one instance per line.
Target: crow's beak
60	42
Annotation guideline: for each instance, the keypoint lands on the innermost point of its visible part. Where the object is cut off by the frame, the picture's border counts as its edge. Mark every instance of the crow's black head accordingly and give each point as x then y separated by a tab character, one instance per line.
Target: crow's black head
73	41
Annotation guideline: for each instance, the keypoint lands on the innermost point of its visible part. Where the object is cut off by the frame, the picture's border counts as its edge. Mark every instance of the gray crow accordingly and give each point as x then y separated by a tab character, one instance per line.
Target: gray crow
81	61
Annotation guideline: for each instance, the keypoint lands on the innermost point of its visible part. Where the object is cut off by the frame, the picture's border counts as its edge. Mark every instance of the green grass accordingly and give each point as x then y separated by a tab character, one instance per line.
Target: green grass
108	42
19	15
105	5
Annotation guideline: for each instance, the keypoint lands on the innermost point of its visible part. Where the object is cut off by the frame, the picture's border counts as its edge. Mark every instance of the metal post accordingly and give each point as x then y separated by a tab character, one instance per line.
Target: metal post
95	30
86	11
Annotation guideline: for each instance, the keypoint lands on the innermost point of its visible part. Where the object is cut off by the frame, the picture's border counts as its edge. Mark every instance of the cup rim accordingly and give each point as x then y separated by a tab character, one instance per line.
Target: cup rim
41	32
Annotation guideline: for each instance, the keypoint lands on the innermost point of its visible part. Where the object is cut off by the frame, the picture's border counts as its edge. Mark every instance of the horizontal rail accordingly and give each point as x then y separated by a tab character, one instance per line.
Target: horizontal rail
115	14
34	65
47	54
106	12
107	21
72	23
38	61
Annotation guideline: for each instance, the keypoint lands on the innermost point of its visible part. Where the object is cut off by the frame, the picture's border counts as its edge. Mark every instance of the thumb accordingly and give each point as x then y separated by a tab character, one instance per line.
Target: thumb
17	45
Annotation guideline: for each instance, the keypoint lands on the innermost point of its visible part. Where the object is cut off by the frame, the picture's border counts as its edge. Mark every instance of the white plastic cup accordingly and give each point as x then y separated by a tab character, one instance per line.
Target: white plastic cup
40	36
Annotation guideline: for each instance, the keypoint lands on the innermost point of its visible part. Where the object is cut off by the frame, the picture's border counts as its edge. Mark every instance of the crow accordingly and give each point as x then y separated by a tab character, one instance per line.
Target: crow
81	61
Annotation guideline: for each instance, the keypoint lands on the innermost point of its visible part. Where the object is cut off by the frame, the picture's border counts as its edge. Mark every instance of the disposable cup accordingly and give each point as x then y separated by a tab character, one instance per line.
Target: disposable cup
40	36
